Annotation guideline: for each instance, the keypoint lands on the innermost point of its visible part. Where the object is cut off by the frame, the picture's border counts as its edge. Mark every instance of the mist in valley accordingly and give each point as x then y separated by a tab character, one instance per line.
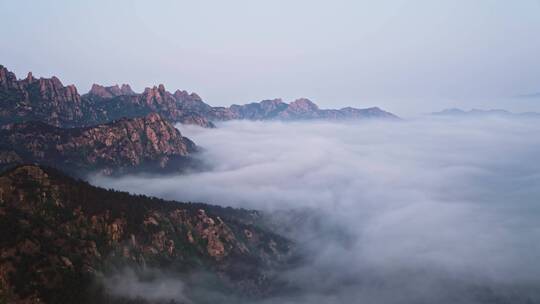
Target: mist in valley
431	210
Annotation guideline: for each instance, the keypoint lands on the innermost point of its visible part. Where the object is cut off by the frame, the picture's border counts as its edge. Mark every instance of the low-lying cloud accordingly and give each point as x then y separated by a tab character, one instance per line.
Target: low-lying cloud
431	210
157	286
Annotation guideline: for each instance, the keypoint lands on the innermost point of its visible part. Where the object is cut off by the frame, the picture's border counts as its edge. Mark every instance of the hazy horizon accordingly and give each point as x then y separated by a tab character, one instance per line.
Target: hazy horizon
407	57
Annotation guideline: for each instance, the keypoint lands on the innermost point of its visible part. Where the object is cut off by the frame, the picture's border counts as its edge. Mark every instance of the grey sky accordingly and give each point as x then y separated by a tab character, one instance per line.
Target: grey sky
406	56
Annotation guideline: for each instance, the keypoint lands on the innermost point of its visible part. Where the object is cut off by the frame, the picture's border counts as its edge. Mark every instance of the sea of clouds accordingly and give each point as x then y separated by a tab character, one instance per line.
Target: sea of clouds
430	210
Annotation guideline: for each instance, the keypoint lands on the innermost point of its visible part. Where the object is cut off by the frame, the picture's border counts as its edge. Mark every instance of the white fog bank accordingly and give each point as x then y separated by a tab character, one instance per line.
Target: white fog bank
416	198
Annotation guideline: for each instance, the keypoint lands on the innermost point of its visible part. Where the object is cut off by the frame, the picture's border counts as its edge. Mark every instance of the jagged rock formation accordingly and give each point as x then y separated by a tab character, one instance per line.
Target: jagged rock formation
110	92
109	103
147	143
59	235
47	100
189	108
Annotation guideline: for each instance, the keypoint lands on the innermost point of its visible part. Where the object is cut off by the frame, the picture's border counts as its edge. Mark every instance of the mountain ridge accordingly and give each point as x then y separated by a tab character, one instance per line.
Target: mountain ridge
480	112
139	144
61	236
48	100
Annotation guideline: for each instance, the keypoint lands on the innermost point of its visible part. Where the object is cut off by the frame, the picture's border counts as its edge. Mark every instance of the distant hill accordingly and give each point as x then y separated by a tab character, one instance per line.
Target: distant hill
530	95
476	112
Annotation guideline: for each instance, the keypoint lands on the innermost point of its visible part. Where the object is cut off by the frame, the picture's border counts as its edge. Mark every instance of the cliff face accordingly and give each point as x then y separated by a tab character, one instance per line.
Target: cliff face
147	143
59	235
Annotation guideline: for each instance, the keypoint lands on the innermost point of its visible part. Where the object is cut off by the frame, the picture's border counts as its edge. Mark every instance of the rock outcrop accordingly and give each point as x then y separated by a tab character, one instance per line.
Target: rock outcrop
147	143
60	235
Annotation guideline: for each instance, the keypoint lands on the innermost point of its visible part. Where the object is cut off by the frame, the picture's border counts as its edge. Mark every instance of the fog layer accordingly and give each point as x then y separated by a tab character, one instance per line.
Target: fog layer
431	210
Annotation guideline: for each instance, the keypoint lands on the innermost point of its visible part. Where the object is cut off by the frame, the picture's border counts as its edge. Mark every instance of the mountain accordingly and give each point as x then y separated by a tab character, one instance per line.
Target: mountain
110	103
61	238
143	144
483	113
300	109
43	99
190	108
112	91
49	101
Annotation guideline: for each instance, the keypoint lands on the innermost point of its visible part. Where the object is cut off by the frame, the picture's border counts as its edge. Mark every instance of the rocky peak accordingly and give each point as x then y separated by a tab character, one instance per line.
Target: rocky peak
30	78
155	92
8	80
52	89
195	96
181	95
373	112
72	92
272	103
191	102
303	105
161	88
55	81
125	89
156	135
100	91
43	99
150	94
111	91
158	97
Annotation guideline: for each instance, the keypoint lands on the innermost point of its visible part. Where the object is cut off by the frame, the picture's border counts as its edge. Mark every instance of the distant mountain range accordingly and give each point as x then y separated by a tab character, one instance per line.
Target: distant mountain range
478	113
114	130
49	101
530	95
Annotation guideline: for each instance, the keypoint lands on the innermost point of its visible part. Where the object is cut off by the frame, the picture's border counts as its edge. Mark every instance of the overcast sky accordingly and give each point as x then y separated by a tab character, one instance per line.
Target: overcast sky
408	57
